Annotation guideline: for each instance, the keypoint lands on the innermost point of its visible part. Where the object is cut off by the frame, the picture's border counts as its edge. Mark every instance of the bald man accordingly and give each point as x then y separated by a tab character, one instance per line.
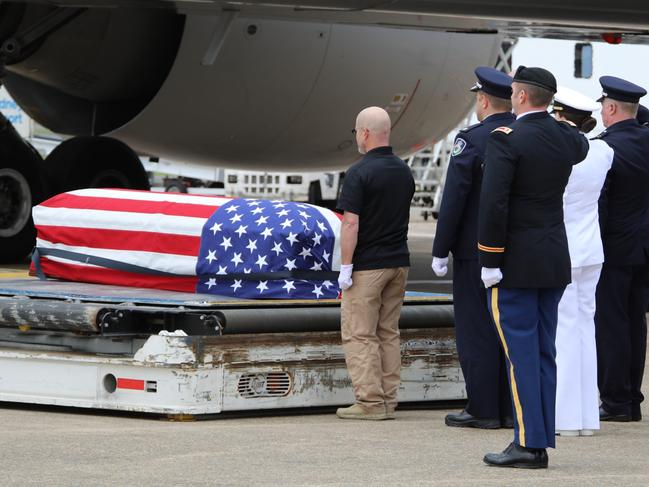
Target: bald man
375	199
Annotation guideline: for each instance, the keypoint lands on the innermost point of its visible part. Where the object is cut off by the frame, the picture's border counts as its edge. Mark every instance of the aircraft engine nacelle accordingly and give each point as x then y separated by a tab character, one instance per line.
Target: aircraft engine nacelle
246	92
96	72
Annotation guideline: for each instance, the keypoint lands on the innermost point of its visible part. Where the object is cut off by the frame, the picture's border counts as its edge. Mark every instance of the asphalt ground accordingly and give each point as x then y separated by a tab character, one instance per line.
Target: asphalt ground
47	446
61	447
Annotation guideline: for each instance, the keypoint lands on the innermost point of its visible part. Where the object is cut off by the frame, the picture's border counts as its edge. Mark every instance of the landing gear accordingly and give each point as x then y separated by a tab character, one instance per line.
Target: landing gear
21	187
94	162
81	162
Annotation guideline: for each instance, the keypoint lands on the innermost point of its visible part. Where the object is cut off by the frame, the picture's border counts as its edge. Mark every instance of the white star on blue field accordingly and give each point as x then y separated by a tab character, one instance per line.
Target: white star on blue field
256	249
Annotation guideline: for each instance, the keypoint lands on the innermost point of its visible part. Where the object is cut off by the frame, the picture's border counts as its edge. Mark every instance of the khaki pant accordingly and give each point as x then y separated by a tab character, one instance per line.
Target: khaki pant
370	335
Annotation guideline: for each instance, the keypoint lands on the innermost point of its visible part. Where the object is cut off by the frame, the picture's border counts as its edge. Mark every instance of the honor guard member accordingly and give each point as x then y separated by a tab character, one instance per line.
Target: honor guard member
643	115
524	255
481	356
623	289
577	405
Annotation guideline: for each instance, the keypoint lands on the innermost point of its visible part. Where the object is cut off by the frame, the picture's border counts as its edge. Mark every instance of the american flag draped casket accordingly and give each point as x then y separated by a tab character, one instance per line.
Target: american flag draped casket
243	248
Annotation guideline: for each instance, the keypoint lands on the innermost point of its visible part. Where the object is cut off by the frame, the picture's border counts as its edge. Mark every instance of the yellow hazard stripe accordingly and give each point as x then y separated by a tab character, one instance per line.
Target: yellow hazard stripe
491	249
11	274
517	402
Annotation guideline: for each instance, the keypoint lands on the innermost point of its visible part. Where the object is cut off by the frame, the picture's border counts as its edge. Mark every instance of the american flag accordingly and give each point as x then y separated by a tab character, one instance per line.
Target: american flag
231	247
270	249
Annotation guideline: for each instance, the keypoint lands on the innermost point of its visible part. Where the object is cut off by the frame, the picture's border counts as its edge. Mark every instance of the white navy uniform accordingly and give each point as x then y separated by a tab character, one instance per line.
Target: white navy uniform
577	402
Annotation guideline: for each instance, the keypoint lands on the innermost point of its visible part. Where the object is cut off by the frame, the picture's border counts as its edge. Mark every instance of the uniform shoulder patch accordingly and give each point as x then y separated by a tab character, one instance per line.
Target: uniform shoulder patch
458	147
504	130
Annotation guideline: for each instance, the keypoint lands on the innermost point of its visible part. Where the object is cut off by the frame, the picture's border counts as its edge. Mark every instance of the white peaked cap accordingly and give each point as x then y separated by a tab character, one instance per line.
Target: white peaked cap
571	98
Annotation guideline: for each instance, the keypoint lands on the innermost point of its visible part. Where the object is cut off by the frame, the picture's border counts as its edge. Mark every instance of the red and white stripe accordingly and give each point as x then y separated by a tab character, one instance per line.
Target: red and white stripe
159	231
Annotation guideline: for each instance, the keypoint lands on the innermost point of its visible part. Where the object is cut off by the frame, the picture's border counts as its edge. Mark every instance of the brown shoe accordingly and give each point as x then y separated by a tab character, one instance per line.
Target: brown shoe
356	411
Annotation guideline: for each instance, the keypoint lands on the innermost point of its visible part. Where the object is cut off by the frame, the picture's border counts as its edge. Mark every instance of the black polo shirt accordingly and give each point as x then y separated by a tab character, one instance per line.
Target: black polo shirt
379	189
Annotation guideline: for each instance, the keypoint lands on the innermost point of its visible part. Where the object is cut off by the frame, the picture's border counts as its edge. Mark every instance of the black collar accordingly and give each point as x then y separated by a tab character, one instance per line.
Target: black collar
534	116
499	116
384	150
623	125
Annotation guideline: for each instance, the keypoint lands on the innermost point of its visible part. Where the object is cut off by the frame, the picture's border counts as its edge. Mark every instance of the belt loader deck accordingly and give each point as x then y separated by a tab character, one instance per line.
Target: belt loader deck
170	353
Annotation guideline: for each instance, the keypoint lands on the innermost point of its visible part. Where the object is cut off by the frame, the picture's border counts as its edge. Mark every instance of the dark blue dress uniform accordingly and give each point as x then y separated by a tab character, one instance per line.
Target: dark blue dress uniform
623	289
481	357
521	231
643	115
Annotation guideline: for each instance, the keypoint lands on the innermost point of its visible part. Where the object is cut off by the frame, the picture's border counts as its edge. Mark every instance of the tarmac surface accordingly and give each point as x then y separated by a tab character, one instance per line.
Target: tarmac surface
49	446
420	243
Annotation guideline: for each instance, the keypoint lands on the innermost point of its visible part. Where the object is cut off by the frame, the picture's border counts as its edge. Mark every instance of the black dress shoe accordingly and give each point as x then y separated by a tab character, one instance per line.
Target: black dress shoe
507	422
604	415
516	456
466	420
636	414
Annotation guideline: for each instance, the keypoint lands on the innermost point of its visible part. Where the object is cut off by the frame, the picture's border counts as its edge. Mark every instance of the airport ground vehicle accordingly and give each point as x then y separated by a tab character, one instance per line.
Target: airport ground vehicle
108	347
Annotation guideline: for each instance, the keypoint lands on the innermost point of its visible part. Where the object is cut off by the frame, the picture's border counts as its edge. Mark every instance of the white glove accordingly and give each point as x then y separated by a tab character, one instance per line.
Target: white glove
345	276
440	266
490	276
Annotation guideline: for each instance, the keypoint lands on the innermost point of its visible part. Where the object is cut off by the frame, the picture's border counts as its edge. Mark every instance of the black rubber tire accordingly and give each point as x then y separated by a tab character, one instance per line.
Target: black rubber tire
175	186
94	162
21	187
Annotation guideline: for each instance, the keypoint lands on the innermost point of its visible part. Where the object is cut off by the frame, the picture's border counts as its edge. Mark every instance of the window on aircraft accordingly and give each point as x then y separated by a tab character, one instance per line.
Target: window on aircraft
583	60
232	178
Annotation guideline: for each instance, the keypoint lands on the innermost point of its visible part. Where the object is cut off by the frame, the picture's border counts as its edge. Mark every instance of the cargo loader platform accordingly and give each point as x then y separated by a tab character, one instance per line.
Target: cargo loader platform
179	354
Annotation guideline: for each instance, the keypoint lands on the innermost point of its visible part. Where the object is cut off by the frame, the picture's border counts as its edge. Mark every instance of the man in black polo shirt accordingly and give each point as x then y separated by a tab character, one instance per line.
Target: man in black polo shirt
375	199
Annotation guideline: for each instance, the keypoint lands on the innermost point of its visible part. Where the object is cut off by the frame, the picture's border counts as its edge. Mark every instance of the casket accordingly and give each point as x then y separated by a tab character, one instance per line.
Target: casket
246	248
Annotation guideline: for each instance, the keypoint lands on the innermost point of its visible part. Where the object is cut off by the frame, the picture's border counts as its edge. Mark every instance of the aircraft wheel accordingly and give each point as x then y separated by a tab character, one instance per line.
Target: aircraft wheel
95	162
21	187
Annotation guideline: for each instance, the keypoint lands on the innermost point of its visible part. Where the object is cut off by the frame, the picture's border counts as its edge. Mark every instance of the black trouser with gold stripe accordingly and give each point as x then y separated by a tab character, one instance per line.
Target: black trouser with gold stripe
526	321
